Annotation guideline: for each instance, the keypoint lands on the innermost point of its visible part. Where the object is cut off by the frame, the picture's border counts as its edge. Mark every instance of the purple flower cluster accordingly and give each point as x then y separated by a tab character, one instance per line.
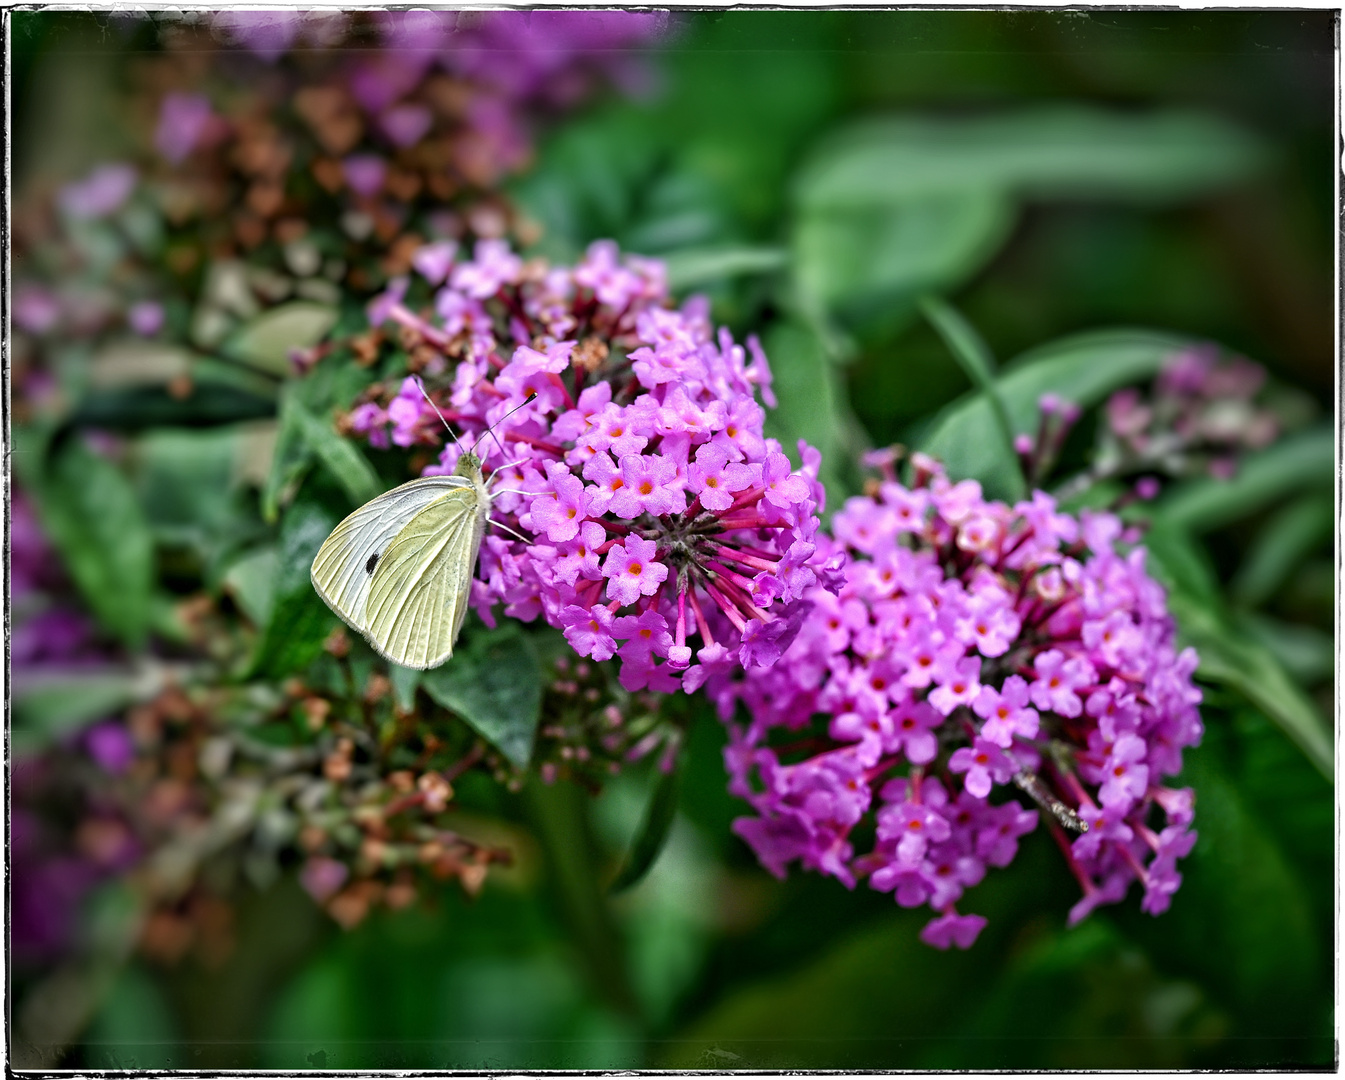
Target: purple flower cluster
973	645
1201	413
516	61
46	630
103	192
629	441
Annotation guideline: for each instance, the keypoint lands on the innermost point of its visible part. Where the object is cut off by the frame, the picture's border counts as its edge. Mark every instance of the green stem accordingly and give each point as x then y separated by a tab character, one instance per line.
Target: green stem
558	815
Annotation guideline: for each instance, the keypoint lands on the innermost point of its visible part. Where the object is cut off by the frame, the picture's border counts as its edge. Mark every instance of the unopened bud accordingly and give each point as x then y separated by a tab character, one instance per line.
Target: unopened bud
472	876
437	791
337	643
316	710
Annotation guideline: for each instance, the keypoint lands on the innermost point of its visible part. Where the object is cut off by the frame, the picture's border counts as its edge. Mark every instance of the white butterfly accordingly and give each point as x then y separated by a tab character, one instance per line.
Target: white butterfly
399	569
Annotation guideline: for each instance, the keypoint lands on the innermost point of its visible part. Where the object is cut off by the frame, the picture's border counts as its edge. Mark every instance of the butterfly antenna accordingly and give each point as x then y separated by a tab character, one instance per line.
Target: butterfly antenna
441	416
505	417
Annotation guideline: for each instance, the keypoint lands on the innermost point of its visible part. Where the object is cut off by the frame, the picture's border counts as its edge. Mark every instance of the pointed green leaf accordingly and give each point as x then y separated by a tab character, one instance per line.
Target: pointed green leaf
299	621
89	510
251	581
1082	368
653	832
1228	656
404	681
1038	152
811	403
1281	544
291	458
47	707
348	466
702	265
860	262
266	340
974	357
494	682
1250	669
1300	461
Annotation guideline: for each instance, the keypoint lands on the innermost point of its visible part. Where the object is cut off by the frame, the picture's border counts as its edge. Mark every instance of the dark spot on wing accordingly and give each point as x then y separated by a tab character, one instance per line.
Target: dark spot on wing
373	561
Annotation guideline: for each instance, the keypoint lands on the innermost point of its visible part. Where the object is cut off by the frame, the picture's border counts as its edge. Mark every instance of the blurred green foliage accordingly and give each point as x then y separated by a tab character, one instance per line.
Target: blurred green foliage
819	174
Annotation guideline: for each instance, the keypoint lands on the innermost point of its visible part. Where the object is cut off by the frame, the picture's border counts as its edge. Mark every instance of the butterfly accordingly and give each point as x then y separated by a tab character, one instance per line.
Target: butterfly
400	568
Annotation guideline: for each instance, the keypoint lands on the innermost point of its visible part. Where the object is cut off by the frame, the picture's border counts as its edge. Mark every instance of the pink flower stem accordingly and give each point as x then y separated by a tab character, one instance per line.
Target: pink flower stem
1070	783
723	551
475	754
771	556
1063	842
752	521
401	314
743	498
734	591
734	616
1129	856
738	579
886	765
540	444
702	626
1018	540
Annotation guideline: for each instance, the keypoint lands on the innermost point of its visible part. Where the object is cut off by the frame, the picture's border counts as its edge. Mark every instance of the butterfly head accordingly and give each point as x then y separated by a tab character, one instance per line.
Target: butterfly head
469	465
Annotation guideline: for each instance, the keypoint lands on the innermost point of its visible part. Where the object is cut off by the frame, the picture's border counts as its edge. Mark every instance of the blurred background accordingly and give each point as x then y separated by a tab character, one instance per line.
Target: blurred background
815	173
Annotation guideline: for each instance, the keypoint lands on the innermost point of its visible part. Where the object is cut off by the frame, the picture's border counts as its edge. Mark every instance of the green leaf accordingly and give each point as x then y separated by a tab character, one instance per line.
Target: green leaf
974	357
347	465
89	510
1280	547
136	1028
1082	368
251	581
589	179
1106	993
1228	656
135	408
653	832
888	209
702	265
1238	887
495	684
404	682
1040	152
1299	461
137	363
1181	564
290	460
49	706
850	984
811	403
1251	670
265	341
184	480
862	261
299	621
1305	652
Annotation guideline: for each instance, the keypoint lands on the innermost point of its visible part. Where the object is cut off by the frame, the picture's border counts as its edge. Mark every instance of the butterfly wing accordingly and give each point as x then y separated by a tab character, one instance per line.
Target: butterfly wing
345	564
421	587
